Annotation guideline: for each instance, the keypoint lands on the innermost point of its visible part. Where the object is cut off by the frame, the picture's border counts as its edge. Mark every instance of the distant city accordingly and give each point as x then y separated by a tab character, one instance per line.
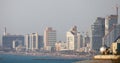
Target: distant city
104	31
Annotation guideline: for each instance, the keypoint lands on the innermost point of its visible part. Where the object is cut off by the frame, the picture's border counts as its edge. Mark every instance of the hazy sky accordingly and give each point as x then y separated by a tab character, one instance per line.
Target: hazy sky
28	16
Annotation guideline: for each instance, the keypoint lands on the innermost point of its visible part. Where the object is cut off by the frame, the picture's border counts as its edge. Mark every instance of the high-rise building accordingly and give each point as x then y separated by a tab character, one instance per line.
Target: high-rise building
111	29
32	41
7	40
110	21
80	40
87	40
49	38
72	39
40	41
112	35
5	31
97	32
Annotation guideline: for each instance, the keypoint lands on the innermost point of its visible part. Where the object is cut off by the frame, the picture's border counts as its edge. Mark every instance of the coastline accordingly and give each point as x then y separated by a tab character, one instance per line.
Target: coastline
54	56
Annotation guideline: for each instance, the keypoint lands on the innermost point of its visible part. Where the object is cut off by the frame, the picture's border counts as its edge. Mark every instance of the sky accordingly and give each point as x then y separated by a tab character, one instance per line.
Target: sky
29	16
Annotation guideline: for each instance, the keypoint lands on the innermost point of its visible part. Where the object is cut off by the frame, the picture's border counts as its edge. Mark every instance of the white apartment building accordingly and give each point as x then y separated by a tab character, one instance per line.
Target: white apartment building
72	39
31	41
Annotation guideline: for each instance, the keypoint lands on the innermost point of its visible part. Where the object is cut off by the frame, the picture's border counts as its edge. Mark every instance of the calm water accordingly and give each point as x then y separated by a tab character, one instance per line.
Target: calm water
5	58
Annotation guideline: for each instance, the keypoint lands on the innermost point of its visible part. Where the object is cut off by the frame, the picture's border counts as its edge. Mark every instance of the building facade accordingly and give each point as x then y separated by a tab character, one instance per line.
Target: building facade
110	21
112	35
40	42
32	41
8	40
87	40
80	41
97	32
72	39
60	46
50	38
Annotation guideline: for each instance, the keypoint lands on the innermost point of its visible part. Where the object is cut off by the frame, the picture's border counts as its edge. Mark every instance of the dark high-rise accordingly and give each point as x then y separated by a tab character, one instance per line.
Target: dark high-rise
97	32
7	40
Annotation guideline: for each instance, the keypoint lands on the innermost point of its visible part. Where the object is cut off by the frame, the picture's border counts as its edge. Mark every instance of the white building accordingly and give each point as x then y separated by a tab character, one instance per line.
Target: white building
49	38
72	39
31	41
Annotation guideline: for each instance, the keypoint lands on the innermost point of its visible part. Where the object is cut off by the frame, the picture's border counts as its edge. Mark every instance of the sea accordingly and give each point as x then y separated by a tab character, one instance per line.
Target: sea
9	58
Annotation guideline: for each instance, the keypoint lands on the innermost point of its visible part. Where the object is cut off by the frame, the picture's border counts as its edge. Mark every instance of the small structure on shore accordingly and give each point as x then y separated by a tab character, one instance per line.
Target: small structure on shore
108	54
112	52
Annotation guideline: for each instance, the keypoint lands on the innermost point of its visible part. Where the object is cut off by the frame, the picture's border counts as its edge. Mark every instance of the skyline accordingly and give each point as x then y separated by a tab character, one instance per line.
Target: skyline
23	17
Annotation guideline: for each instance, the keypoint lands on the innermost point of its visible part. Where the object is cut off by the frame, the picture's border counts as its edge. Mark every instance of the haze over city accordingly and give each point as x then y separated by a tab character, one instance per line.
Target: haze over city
28	16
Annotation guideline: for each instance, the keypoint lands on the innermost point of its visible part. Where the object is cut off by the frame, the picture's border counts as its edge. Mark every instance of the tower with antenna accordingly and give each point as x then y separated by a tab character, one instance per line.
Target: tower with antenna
5	32
117	10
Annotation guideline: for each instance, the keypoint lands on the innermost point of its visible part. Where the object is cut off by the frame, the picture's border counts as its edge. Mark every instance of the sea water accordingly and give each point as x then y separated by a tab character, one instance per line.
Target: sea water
8	58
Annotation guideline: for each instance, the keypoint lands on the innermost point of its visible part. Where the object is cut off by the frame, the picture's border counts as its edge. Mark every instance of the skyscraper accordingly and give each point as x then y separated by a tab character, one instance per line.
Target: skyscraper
80	40
97	32
87	39
49	38
72	39
111	29
40	41
5	31
31	41
7	40
112	35
110	21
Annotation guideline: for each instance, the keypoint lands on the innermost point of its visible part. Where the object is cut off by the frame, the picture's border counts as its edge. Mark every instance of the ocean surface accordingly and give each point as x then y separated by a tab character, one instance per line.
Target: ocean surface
8	58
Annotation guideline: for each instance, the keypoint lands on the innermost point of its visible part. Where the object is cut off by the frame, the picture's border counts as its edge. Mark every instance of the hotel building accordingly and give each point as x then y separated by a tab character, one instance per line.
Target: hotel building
49	38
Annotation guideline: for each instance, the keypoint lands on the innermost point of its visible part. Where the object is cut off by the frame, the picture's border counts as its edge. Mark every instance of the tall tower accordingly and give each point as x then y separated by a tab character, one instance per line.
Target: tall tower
112	28
31	41
5	31
49	38
97	32
71	38
110	21
87	39
80	40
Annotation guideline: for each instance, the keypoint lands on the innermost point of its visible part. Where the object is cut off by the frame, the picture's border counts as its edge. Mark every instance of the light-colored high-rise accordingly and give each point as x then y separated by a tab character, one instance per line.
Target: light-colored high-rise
72	39
49	38
31	41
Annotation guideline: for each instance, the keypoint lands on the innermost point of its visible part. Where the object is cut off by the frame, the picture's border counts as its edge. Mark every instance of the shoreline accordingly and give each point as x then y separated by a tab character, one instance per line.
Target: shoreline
61	56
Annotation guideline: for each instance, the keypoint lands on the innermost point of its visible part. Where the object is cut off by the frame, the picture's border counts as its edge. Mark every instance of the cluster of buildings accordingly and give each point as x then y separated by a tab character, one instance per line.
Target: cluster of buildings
28	42
103	31
75	41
